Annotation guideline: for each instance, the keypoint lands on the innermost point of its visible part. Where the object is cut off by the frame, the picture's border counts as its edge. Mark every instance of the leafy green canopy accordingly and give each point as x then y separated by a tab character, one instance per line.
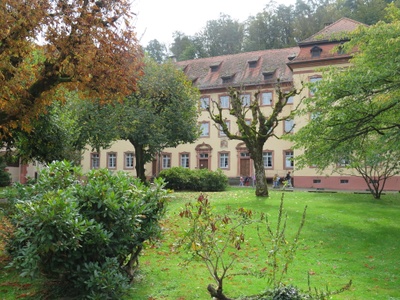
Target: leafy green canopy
161	113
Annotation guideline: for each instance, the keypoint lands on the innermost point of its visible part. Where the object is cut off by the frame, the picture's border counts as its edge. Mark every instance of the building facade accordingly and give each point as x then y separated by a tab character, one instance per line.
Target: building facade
252	72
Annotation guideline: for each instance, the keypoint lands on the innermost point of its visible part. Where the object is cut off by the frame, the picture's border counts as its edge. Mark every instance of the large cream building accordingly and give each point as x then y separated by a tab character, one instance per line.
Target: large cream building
252	71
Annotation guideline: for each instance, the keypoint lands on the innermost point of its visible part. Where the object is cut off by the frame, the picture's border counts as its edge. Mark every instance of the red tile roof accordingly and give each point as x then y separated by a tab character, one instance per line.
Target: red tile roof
340	26
236	67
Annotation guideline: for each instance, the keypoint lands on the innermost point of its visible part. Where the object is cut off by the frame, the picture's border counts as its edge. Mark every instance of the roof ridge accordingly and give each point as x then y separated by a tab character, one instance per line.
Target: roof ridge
248	53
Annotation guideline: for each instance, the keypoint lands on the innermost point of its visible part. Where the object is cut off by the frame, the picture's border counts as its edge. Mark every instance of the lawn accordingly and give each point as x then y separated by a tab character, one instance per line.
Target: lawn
346	237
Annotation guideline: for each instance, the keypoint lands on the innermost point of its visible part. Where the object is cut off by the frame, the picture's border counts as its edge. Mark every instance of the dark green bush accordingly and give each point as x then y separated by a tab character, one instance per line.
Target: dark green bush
179	178
5	178
98	280
86	234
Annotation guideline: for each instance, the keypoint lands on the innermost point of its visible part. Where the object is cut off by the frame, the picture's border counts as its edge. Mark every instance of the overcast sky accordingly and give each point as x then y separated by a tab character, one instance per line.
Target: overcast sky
158	19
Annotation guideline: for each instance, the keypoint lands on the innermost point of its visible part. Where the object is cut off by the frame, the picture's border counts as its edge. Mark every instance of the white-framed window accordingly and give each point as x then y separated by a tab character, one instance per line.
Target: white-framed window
266	98
94	161
268	158
224	101
221	133
290	100
224	160
166	160
129	160
112	160
289	125
203	155
246	99
289	164
184	160
314	81
204	103
205	129
245	154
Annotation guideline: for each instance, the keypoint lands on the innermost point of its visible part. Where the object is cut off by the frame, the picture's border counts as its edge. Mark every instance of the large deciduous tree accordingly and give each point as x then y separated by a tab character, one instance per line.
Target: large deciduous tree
88	46
53	137
156	50
255	133
357	103
185	47
64	131
162	113
223	36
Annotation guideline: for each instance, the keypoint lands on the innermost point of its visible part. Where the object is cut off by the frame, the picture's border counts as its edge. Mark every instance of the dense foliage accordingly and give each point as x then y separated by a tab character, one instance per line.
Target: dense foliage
84	46
5	178
181	179
87	232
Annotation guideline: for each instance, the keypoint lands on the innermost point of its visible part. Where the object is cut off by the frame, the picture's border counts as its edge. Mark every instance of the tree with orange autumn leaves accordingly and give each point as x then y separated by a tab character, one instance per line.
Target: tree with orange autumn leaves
85	45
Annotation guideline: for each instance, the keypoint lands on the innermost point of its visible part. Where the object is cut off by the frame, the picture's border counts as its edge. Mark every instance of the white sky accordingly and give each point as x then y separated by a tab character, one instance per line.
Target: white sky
158	19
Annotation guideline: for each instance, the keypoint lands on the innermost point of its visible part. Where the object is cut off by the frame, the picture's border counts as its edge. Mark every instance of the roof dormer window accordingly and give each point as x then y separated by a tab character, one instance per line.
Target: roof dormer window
268	75
214	67
252	63
316	51
227	78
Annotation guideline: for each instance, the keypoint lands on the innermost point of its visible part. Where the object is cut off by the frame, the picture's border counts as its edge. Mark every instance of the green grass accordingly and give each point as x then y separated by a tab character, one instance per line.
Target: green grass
346	236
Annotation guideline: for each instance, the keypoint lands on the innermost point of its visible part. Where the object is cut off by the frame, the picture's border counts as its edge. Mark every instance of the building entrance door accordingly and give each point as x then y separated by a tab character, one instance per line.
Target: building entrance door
245	167
203	163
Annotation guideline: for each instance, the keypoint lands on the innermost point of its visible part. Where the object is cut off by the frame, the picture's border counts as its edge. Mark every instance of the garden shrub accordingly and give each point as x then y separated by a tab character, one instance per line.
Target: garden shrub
179	178
5	177
88	234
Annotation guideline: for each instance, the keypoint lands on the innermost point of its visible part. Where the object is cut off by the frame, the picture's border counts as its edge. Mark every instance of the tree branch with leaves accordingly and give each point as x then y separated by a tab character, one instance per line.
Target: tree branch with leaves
84	46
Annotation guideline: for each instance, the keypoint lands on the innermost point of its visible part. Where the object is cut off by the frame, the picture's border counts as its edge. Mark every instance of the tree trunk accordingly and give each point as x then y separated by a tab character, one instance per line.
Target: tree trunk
217	293
261	180
140	161
373	184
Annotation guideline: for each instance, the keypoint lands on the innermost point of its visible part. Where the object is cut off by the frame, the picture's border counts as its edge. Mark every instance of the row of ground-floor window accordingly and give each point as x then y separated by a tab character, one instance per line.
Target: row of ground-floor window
202	160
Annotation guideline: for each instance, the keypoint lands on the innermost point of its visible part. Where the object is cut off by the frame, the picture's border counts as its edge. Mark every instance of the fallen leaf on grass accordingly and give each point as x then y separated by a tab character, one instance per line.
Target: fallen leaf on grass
369	267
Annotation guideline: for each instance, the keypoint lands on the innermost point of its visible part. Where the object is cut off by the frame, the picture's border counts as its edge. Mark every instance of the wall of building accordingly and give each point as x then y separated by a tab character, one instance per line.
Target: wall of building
119	148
